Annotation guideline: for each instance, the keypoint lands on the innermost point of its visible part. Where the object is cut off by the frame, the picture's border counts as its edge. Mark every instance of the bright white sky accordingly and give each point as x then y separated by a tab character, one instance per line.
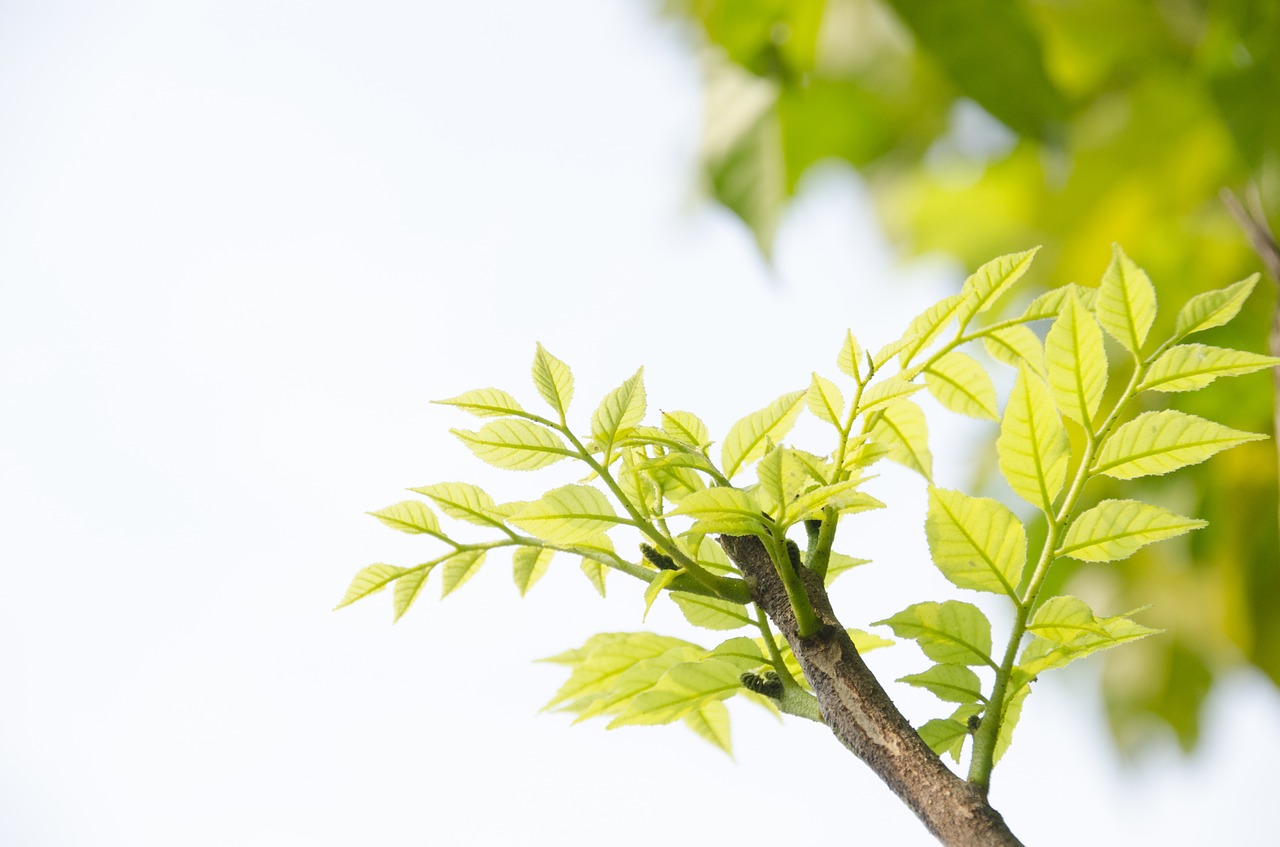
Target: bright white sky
242	245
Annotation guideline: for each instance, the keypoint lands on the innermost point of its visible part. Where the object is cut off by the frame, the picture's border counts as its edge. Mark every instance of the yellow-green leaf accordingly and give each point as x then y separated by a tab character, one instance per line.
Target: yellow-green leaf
883	393
975	541
949	633
553	379
460	568
825	401
410	516
953	683
1214	308
408	587
595	572
1015	345
1041	654
843	496
1065	618
929	324
1049	304
463	501
1191	366
984	287
528	566
712	612
514	444
850	358
961	384
1076	363
370	580
749	438
1160	442
621	410
711	723
1009	720
726	510
840	563
1033	449
1114	529
1126	304
567	515
599	663
485	403
654	588
641	676
902	430
944	735
681	690
685	427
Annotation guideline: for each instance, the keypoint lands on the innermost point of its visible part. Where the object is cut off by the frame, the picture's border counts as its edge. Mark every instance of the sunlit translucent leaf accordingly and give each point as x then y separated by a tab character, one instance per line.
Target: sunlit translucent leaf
674	474
988	282
711	722
975	541
410	516
1160	442
1032	448
825	401
567	515
894	348
612	698
1114	529
408	587
1214	308
528	566
840	563
1076	363
595	572
929	324
605	657
771	492
712	612
1041	654
553	379
949	633
944	735
661	581
1049	304
370	580
514	444
1191	366
749	438
685	427
1015	345
464	501
842	496
961	384
862	453
850	358
1063	619
621	410
865	642
722	510
681	690
902	430
883	393
460	568
485	403
1009	721
744	653
1126	304
953	683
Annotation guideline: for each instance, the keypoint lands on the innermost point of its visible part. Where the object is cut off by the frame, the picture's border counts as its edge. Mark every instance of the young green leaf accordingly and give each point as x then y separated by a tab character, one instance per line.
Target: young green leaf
825	401
528	566
711	612
1160	442
1049	304
411	516
749	438
944	735
595	572
949	633
1126	304
842	496
961	384
661	581
464	501
883	393
929	324
722	510
514	444
485	403
1114	529
984	287
621	410
840	563
1076	363
1033	449
683	689
953	683
1213	308
599	663
370	580
460	568
743	652
408	587
902	430
976	542
554	381
710	722
567	515
1012	712
1041	654
1015	345
613	698
1191	366
1063	619
686	427
850	359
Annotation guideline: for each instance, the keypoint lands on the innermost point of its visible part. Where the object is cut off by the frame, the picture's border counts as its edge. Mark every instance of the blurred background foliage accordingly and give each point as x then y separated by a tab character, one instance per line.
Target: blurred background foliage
982	127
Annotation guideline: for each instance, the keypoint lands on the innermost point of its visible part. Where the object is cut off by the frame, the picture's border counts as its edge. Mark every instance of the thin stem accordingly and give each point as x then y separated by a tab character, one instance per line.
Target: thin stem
775	655
806	620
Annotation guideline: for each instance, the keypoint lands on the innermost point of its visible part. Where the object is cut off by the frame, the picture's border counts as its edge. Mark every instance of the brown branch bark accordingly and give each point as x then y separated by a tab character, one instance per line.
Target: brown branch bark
858	710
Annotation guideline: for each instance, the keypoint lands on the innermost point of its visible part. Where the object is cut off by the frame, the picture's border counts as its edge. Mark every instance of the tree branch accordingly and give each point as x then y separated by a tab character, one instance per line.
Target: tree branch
862	716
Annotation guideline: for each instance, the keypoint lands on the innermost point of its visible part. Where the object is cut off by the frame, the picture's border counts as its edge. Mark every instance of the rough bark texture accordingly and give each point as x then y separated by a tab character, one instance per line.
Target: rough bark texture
863	717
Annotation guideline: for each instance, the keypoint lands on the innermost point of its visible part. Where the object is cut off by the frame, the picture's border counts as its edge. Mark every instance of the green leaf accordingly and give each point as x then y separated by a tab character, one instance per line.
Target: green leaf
1114	529
1214	308
961	384
865	642
840	563
621	410
1126	304
1076	363
686	427
850	359
953	683
1063	619
643	675
661	581
984	287
1033	449
711	722
976	542
712	612
842	496
596	572
1015	345
1041	654
528	566
554	381
929	324
744	653
567	515
485	403
1012	712
1049	304
410	516
944	735
749	438
883	393
408	587
902	430
514	444
683	689
1191	366
1160	442
722	510
460	568
825	401
605	657
949	633
370	580
464	501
